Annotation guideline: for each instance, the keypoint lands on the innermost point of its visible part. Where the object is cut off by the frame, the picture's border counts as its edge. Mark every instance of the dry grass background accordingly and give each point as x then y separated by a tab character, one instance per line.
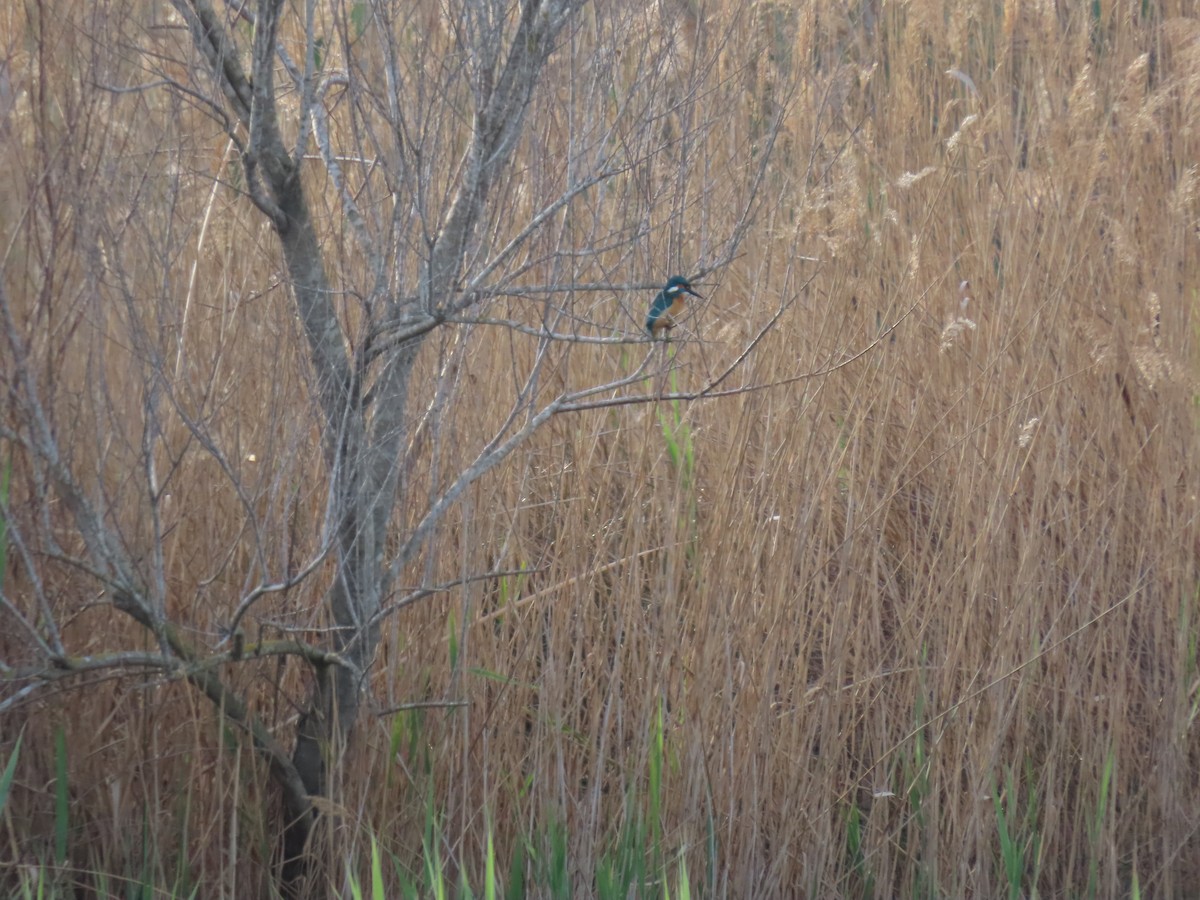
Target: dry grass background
881	605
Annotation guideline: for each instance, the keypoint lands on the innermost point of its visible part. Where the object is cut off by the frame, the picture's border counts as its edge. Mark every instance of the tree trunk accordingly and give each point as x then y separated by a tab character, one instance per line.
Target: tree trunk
363	442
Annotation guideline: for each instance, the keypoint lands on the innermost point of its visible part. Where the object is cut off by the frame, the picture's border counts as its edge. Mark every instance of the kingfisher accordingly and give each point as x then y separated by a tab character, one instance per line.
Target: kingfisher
668	305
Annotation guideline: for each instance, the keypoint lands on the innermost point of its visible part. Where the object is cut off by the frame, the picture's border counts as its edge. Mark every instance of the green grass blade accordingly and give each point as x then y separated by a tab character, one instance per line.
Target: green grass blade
5	480
684	888
489	872
657	754
1010	851
10	770
452	635
516	873
377	891
62	819
1096	826
560	882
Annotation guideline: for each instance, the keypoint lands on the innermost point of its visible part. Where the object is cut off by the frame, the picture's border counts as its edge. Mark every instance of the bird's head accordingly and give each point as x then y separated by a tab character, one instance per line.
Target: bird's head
677	284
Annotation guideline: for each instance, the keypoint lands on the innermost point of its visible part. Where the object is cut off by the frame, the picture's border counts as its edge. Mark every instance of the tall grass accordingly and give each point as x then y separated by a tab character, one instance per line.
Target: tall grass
917	616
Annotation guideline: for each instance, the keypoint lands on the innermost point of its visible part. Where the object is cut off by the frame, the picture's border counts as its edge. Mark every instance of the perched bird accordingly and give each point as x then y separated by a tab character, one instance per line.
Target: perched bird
668	305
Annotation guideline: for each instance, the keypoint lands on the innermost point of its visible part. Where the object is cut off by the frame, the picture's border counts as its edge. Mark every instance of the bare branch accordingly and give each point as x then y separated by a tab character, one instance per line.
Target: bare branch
546	334
101	547
496	452
211	39
496	125
266	143
13	534
264	589
308	98
420	594
535	224
263	200
421	704
27	626
320	125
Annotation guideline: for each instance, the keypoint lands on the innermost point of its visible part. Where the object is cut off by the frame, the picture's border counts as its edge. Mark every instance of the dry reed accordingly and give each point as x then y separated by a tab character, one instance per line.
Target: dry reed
954	576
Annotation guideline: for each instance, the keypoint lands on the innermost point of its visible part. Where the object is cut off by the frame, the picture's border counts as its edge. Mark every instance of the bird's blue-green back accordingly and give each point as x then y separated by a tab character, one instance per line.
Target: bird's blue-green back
660	305
670	295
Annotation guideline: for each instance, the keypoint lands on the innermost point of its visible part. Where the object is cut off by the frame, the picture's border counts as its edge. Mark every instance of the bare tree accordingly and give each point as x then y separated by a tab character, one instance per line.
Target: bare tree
416	116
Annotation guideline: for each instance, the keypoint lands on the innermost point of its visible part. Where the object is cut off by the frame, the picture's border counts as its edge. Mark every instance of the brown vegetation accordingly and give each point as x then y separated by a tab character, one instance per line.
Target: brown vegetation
937	560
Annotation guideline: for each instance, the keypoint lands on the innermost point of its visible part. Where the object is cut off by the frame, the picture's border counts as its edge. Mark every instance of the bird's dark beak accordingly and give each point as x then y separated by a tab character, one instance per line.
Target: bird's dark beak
693	293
